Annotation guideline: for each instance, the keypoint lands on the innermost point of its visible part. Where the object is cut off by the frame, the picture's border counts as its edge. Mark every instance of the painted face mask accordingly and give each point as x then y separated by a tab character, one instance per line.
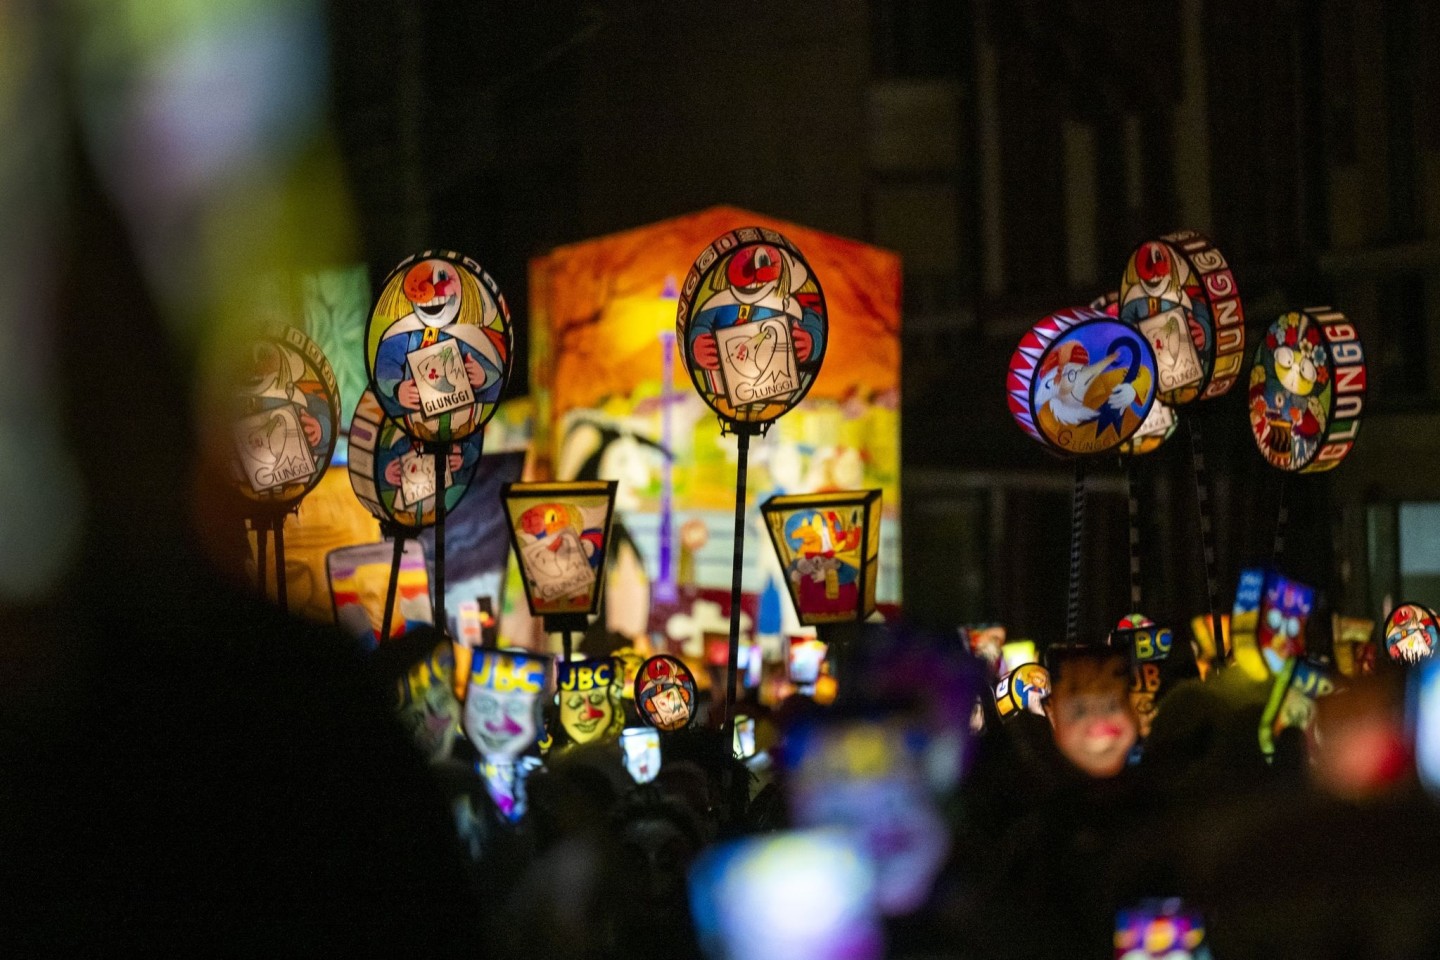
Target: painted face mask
1090	710
586	700
427	704
504	701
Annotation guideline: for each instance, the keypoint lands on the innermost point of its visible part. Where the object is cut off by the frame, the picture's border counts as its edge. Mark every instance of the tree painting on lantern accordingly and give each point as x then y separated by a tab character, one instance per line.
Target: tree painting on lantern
560	545
756	327
1411	633
1094	388
288	409
665	693
1291	391
439	346
1162	296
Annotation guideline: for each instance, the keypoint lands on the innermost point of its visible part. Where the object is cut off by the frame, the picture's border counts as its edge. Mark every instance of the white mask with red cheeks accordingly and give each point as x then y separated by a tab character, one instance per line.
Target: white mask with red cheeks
433	289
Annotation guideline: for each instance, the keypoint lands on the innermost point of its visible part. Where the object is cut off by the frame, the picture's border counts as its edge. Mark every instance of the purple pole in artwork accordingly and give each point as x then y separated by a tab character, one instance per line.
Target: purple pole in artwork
665	588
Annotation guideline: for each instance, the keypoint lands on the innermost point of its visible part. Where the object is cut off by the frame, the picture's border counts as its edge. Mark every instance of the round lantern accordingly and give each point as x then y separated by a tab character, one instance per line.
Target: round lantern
1179	292
1081	382
1024	688
287	413
1412	632
1307	390
751	325
438	347
665	693
393	474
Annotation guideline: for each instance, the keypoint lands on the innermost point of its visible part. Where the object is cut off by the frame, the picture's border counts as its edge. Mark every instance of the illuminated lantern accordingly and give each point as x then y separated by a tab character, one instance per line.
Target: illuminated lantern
561	534
287	414
1307	390
438	346
1013	653
665	693
1022	689
588	695
1412	632
503	702
1354	645
1269	621
829	547
1090	708
1160	423
803	660
641	747
393	474
1299	684
751	325
1160	930
1178	291
1081	382
425	701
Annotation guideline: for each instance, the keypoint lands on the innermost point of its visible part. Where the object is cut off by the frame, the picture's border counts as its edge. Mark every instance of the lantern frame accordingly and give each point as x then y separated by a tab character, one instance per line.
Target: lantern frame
518	499
776	512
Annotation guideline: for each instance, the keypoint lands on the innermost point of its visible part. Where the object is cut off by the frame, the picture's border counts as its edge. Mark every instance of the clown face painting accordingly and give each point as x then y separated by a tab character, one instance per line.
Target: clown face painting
1284	613
426	703
823	543
504	701
665	693
1411	633
439	346
287	406
587	698
1290	391
752	325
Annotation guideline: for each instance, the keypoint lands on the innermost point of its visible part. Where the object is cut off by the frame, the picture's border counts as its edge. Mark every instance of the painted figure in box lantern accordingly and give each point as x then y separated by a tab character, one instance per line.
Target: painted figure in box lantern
763	283
445	309
826	560
1412	634
560	553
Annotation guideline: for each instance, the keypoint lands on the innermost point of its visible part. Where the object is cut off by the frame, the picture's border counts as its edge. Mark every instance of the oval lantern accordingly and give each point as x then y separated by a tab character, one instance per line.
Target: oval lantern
393	474
751	326
439	346
1179	292
1307	390
1022	689
665	693
1412	632
1081	382
287	415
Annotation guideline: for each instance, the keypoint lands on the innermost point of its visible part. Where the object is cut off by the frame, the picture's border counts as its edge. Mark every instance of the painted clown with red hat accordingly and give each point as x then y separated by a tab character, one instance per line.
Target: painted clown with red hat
763	281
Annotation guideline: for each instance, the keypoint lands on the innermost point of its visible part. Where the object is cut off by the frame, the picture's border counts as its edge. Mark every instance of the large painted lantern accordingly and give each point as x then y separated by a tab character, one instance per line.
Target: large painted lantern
665	693
504	702
751	326
1307	390
287	413
561	532
1412	632
589	700
1178	291
1081	382
439	346
829	548
393	474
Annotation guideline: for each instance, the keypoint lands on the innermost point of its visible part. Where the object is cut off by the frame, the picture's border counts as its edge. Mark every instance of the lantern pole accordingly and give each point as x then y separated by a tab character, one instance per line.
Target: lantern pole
262	555
442	622
1207	535
397	533
282	592
743	432
1077	543
567	638
1132	496
1282	521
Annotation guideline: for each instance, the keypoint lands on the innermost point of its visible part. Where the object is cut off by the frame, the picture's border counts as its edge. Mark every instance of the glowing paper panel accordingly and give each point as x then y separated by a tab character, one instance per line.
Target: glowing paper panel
503	702
641	746
359	580
438	347
1412	632
287	412
829	546
393	474
1179	292
665	693
1307	390
560	532
1081	382
1024	688
589	698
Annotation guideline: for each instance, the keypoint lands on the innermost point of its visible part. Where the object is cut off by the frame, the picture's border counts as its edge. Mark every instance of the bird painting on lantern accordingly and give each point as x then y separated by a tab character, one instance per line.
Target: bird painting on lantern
286	429
559	552
442	347
1083	405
